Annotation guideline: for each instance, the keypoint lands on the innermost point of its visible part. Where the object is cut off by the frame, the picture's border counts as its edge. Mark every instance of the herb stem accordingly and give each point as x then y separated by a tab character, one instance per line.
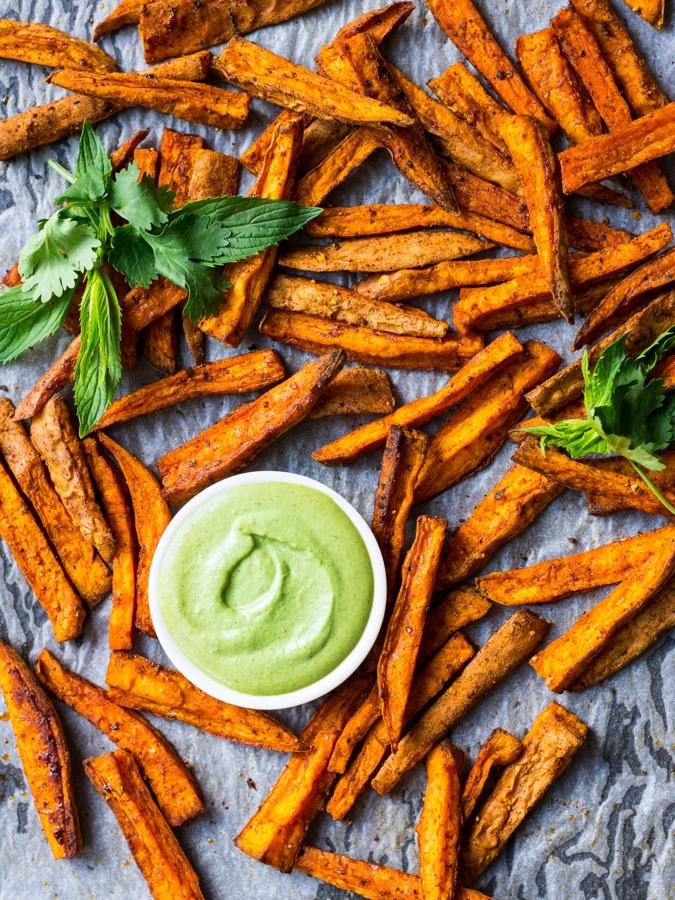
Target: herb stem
653	488
64	173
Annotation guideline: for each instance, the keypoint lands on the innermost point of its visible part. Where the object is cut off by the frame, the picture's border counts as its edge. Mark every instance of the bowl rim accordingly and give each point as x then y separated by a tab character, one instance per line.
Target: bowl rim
337	676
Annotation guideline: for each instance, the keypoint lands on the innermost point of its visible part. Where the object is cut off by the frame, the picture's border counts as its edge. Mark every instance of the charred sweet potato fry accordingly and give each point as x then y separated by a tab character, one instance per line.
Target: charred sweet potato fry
396	665
151	516
33	42
566	658
43	751
53	433
172	782
356	391
505	511
78	556
456	609
231	443
500	749
353	150
233	375
154	846
275	834
504	650
476	430
548	748
340	304
461	21
137	683
160	343
474	373
439	827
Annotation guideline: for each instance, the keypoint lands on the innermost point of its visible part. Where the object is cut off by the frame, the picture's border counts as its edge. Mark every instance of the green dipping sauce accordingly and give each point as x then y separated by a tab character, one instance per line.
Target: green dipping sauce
267	587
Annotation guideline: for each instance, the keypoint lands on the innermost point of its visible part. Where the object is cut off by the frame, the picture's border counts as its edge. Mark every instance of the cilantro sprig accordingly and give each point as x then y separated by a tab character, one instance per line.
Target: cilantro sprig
627	414
189	246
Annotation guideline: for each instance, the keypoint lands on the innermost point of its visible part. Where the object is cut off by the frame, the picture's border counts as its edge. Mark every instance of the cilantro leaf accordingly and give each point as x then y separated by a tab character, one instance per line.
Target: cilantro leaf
25	320
53	259
139	200
132	256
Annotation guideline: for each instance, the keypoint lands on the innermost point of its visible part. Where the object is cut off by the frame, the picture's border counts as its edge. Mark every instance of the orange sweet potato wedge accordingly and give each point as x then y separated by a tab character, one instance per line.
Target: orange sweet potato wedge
589	235
351	152
43	751
275	834
476	195
356	728
458	608
154	846
439	827
356	391
126	152
171	781
160	343
137	683
500	749
234	441
33	42
548	747
474	373
151	516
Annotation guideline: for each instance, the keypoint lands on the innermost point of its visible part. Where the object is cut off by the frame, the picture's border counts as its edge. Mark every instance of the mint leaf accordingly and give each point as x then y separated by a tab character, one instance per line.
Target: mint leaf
25	320
141	203
53	259
91	154
132	256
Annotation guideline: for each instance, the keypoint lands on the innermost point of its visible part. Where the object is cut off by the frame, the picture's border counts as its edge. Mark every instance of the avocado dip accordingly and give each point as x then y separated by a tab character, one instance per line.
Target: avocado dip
267	587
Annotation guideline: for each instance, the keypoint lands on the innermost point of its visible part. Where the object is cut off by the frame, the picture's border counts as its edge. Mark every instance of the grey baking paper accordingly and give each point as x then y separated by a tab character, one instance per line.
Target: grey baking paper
604	830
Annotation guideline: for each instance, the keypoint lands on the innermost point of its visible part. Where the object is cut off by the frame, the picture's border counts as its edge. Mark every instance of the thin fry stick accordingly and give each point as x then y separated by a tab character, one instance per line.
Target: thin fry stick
353	150
440	823
500	749
458	608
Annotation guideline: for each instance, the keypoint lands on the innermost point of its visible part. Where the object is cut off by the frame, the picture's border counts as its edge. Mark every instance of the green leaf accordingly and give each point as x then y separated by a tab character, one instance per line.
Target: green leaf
53	259
656	351
91	154
98	369
577	436
25	320
132	256
140	202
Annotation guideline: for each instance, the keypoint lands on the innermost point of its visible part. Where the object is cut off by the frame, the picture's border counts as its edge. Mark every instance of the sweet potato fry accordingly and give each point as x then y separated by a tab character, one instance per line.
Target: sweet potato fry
127	12
57	376
231	443
53	433
318	141
396	665
548	747
275	834
564	660
622	299
151	516
126	152
505	511
200	103
505	649
652	11
500	749
172	782
364	878
464	94
356	391
154	846
353	150
379	23
439	826
356	728
588	235
457	608
43	751
536	163
79	558
486	363
33	42
160	343
476	195
461	21
233	375
45	124
478	429
137	683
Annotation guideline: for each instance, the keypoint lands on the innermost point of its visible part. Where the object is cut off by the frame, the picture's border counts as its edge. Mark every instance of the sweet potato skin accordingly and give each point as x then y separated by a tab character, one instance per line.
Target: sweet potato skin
42	748
356	391
440	823
43	45
500	749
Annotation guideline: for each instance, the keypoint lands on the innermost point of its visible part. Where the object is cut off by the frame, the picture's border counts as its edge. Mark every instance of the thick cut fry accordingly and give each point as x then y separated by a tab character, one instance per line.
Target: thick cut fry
458	608
478	429
622	299
536	162
353	150
275	834
462	22
512	504
200	103
439	827
176	161
548	748
33	42
501	352
118	512
504	650
213	175
566	658
43	751
79	558
172	782
383	254
249	278
160	343
154	846
232	443
45	124
233	375
151	516
652	11
500	749
396	665
53	433
340	304
137	683
356	391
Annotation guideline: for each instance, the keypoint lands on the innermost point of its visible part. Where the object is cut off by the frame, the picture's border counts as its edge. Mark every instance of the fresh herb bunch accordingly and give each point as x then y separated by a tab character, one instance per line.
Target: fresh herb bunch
626	414
188	246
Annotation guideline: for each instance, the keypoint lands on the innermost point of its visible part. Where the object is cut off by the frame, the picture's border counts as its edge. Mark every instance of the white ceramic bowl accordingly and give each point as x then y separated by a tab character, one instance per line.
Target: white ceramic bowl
312	691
